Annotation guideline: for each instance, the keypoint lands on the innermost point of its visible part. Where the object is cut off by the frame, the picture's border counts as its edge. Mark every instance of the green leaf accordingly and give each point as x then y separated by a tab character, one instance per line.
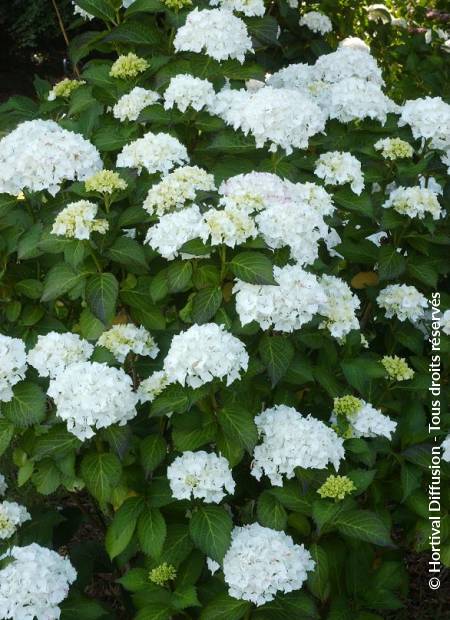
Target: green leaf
264	29
134	580
411	479
391	263
57	442
286	607
77	606
205	304
252	267
101	472
145	6
238	424
99	8
292	498
154	611
179	276
318	579
153	450
210	529
135	33
60	279
270	512
30	288
276	352
91	328
128	252
363	525
27	406
346	199
423	271
151	532
224	607
6	434
101	294
184	597
121	529
47	477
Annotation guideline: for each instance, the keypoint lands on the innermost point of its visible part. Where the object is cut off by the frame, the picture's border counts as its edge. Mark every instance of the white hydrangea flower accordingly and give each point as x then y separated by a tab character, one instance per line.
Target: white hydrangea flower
291	440
414	202
12	515
355	43
394	148
354	98
446	449
339	308
13	365
33	583
131	105
201	475
174	229
287	306
429	118
316	22
151	387
247	7
262	562
445	322
175	189
203	353
124	338
369	422
185	90
347	62
40	155
3	485
231	226
338	168
217	32
403	301
77	10
158	152
53	352
298	76
78	221
89	396
283	117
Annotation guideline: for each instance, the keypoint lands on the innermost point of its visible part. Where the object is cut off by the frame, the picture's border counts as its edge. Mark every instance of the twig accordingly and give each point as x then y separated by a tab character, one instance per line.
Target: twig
64	33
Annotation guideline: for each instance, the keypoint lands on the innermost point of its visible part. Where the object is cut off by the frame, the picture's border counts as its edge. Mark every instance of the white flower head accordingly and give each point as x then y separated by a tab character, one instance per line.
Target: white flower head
12	515
13	365
429	118
203	353
89	396
403	301
151	387
131	105
355	43
217	32
291	440
158	152
174	229
288	305
347	62
316	22
78	221
34	582
247	7
122	339
230	226
200	475
40	155
414	202
354	98
53	352
394	148
367	421
185	90
339	308
338	168
262	562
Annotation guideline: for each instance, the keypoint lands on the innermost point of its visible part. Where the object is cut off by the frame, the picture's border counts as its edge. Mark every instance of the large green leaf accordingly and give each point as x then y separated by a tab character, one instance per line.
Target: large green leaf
205	304
363	525
101	294
99	8
210	529
238	424
60	279
27	405
121	530
101	473
224	607
151	532
276	352
270	511
252	267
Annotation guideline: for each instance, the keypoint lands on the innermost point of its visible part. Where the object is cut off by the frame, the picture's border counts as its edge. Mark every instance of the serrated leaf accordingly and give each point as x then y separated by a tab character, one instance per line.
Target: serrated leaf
27	405
276	353
252	267
152	531
121	529
101	473
270	512
153	450
210	529
239	425
205	304
101	294
60	280
224	607
363	525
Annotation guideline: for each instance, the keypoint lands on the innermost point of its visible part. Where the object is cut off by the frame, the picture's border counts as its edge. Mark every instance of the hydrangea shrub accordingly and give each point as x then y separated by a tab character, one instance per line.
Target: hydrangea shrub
224	255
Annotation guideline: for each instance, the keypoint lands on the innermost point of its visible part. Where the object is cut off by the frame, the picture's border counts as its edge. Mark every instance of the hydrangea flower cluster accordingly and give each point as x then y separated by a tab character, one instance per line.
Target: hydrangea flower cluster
78	221
394	148
151	387
162	574
128	66
12	515
339	307
429	119
131	105
178	187
316	22
54	352
13	365
203	353
287	306
338	168
230	226
158	152
261	562
64	88
90	395
200	475
174	229
247	7
217	32
291	440
39	155
414	202
397	368
403	301
33	583
362	419
185	90
336	487
105	182
127	338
